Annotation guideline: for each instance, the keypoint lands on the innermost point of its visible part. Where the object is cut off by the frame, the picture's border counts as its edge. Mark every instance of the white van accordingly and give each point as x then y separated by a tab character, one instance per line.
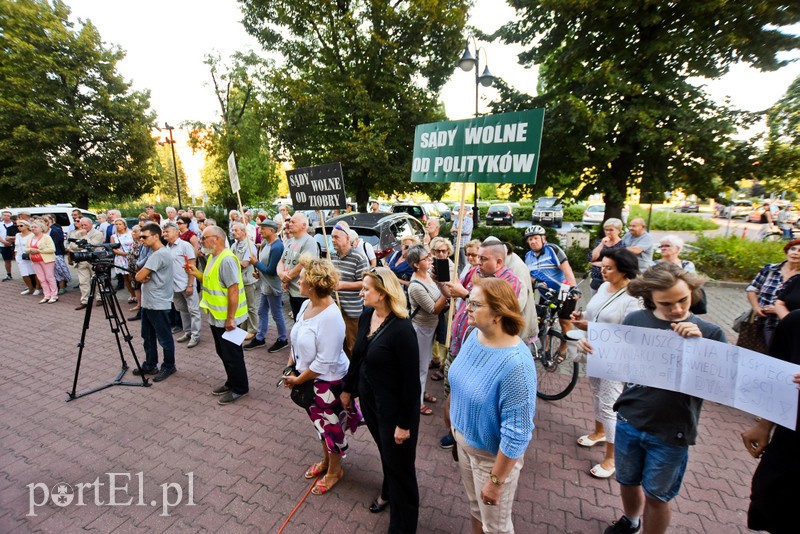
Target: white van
62	213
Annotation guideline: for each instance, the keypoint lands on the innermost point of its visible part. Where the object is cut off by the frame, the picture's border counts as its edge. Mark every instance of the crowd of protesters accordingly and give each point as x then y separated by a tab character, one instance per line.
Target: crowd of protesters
363	337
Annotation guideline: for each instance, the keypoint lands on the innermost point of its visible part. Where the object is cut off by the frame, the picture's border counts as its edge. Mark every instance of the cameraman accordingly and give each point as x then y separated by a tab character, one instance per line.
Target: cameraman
87	231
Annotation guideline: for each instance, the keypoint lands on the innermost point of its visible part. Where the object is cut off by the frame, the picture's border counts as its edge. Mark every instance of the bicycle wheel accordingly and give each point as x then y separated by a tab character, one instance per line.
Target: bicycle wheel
772	237
554	380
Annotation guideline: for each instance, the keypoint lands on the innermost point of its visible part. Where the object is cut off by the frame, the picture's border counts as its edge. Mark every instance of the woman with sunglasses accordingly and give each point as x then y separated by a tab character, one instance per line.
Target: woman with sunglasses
492	403
25	266
186	234
384	373
398	264
317	340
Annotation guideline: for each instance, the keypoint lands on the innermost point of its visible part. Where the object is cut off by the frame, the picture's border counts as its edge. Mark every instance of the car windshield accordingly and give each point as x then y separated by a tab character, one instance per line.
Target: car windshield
597	207
546	202
499	207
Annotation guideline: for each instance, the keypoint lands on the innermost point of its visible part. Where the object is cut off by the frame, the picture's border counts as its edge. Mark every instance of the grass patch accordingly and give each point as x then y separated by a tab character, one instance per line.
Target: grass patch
731	258
666	220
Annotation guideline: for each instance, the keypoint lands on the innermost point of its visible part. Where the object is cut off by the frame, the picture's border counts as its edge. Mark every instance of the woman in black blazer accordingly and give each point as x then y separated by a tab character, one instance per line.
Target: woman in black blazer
384	373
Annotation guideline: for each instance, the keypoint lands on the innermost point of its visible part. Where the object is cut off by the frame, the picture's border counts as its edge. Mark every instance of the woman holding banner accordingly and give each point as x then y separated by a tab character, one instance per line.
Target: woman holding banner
610	304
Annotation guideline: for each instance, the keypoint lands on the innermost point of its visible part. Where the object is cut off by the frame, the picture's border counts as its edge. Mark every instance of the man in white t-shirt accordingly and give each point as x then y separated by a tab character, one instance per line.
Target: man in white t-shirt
185	297
364	248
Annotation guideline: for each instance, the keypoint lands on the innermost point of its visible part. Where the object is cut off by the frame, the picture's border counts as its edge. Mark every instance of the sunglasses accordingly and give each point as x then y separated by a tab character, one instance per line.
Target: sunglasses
200	221
142	237
440	251
374	271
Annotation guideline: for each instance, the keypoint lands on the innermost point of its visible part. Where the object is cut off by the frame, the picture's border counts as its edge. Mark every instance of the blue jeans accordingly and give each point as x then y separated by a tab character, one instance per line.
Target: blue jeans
155	326
270	303
644	460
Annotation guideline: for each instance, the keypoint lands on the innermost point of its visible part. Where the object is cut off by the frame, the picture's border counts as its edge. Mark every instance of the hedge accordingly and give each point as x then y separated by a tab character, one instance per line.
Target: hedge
731	258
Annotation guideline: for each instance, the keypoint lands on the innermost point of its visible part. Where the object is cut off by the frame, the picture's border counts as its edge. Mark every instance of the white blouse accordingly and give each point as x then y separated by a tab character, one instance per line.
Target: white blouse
317	343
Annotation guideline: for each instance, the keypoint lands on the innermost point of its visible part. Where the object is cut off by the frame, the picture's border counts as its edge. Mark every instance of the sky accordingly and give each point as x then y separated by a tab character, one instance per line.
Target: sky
166	43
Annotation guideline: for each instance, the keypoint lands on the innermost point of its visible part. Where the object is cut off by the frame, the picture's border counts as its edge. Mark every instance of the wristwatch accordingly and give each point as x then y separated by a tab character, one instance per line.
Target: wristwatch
496	481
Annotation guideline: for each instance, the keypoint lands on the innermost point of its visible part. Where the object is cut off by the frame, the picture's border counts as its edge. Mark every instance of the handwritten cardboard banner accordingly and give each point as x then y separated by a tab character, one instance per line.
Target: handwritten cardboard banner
712	370
233	173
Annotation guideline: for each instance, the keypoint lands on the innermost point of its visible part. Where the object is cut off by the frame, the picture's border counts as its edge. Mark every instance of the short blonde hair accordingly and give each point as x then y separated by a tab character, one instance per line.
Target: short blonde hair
412	239
319	274
436	242
38	224
502	300
387	284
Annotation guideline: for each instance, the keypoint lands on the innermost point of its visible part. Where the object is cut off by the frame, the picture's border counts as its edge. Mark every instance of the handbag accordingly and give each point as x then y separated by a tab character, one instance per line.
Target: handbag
26	256
303	394
751	334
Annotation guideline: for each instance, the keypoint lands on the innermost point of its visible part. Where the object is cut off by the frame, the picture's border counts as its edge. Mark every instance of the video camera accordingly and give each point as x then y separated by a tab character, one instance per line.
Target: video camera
95	254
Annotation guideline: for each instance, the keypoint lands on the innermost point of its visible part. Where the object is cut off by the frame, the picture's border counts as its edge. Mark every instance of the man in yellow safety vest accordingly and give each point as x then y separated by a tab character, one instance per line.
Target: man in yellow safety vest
224	301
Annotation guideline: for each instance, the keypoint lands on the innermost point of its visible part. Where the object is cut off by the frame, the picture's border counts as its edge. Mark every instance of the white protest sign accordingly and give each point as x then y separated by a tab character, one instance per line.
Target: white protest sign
233	174
712	370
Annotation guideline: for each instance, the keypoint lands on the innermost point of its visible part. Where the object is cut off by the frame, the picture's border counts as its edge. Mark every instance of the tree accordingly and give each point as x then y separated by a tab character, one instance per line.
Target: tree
357	77
781	159
614	77
164	185
71	128
242	129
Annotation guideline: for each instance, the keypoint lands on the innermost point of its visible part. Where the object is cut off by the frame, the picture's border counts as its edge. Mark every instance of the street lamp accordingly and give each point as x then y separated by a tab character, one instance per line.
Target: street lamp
467	62
174	163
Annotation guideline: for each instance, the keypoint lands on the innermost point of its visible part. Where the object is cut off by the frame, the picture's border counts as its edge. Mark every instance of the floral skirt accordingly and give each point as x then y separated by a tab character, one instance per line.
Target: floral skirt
330	419
62	271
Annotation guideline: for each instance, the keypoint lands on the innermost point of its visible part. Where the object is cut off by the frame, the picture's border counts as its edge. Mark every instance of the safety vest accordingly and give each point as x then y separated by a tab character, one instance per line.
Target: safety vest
215	297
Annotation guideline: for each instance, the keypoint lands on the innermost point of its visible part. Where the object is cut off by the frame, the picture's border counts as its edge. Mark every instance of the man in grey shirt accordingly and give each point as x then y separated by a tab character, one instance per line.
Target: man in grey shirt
289	267
640	243
243	248
157	292
185	298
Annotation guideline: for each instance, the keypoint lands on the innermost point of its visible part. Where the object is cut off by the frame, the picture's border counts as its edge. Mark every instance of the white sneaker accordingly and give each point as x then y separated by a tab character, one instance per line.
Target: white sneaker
44	300
52	300
37	292
192	343
25	292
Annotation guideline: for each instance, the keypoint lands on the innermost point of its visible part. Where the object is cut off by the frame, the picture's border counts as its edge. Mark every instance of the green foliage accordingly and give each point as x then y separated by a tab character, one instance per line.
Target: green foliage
523	213
357	78
71	128
731	258
577	255
781	160
668	220
240	87
621	111
574	212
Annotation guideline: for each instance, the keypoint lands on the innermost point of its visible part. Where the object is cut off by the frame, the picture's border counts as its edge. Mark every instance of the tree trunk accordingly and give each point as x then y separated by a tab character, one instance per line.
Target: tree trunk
616	187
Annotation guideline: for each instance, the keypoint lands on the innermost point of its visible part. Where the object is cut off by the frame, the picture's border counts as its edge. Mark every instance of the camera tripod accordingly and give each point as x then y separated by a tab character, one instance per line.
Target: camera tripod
101	282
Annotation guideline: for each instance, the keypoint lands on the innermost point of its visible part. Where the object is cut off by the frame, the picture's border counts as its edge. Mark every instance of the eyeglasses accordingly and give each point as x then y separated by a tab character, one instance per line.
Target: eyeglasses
379	277
200	221
664	246
181	222
473	305
20	226
339	227
142	237
472	255
441	251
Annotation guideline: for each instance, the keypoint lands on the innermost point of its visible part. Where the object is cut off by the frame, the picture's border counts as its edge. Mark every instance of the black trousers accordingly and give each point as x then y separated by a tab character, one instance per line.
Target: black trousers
295	303
232	357
399	470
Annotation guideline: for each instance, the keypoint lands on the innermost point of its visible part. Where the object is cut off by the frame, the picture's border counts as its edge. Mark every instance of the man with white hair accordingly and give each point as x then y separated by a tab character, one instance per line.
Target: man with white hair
351	266
364	248
289	267
244	248
432	226
87	231
172	215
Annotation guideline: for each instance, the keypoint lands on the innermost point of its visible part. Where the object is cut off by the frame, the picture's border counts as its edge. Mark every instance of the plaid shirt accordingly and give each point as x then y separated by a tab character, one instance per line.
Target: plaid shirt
766	284
460	319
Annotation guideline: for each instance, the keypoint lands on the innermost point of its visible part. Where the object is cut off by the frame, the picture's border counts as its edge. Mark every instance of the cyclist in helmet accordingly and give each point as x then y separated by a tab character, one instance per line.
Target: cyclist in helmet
549	264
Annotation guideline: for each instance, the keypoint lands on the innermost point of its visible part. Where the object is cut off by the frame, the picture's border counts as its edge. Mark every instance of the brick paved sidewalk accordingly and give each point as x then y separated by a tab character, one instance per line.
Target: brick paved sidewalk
247	459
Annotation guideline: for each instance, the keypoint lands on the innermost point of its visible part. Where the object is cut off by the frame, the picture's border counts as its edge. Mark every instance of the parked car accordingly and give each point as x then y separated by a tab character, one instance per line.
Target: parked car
738	208
420	211
444	211
595	214
62	213
688	206
548	211
381	230
500	214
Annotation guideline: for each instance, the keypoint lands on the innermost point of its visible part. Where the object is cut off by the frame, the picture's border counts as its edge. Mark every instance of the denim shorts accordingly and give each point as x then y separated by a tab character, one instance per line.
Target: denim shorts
644	460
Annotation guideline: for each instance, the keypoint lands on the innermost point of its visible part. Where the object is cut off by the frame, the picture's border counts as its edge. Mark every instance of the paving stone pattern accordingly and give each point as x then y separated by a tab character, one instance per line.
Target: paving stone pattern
247	459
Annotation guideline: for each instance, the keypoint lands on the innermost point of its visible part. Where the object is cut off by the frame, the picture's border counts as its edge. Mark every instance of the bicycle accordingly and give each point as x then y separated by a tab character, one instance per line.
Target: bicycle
556	375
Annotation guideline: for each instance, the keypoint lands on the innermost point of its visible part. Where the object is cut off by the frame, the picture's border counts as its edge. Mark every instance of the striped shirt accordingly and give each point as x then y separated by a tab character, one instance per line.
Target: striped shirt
351	268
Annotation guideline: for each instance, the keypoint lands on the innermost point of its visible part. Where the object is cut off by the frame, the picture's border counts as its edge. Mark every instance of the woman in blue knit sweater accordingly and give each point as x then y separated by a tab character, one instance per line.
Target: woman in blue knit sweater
492	404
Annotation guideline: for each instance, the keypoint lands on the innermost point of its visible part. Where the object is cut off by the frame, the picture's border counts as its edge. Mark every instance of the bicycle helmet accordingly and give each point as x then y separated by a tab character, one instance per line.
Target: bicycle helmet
534	230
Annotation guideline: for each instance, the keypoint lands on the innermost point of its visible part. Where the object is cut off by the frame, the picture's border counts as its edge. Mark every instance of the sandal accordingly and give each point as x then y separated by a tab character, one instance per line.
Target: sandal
326	483
599	471
316	470
586	441
437	376
131	300
424	410
429	398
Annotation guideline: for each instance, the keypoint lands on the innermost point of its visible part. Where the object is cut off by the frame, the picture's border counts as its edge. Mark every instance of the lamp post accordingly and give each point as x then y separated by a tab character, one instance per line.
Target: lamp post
174	163
467	62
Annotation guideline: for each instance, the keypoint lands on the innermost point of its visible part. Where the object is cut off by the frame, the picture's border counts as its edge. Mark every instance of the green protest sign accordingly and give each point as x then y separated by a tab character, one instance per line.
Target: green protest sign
502	148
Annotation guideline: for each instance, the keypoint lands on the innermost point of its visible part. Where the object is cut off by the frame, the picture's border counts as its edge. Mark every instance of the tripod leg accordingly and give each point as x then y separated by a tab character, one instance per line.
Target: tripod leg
87	317
118	325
